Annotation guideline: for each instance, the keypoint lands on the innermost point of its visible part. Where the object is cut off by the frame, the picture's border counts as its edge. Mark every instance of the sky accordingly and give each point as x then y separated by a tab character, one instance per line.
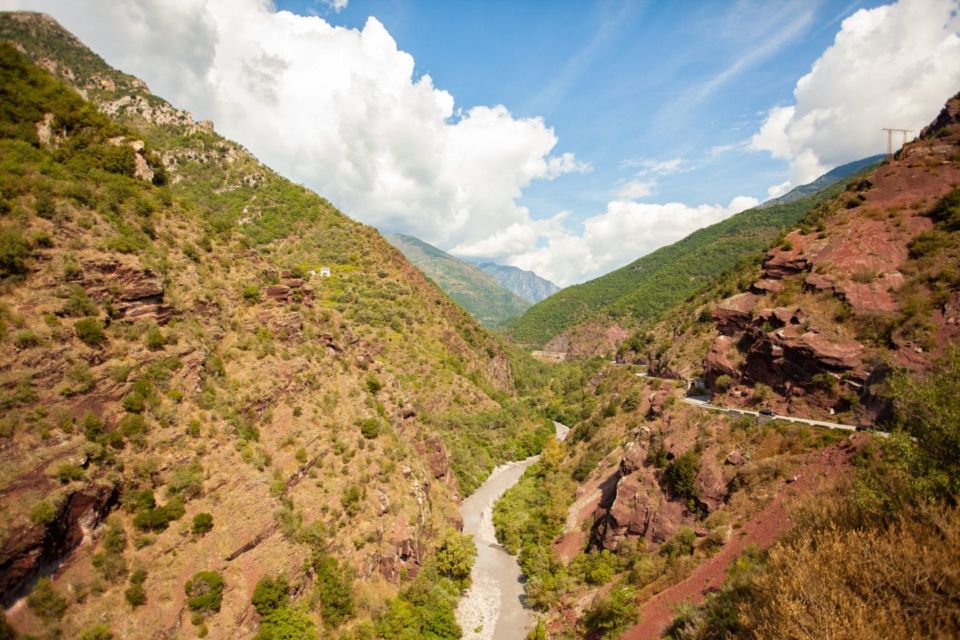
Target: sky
569	138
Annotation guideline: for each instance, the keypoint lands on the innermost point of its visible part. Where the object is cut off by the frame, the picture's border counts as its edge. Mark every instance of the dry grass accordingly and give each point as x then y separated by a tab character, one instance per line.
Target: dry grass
896	582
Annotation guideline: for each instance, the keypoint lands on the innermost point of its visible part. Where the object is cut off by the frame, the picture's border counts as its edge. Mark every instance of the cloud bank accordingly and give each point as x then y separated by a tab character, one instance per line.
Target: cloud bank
892	66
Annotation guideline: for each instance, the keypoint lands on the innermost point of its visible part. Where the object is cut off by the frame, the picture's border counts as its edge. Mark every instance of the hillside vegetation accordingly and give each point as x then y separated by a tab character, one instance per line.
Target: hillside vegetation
243	446
478	292
656	282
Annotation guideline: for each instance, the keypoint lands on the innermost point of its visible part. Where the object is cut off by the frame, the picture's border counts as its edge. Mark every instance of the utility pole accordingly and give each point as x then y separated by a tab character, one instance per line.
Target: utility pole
890	139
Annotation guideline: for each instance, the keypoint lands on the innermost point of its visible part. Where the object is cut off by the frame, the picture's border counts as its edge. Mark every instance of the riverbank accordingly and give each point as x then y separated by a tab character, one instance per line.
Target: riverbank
492	609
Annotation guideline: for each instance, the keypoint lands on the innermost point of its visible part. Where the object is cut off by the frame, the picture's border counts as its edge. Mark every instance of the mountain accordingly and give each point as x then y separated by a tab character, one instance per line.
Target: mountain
488	300
525	284
201	431
827	179
664	517
654	283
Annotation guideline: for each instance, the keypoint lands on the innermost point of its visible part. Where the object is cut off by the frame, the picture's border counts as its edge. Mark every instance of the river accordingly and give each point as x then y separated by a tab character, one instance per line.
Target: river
492	609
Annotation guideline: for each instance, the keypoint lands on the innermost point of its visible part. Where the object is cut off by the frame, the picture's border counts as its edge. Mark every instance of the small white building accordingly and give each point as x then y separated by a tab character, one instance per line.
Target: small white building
324	272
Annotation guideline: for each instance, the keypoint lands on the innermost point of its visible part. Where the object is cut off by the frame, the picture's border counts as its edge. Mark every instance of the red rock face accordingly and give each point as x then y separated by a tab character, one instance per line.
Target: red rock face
29	551
135	293
859	258
635	503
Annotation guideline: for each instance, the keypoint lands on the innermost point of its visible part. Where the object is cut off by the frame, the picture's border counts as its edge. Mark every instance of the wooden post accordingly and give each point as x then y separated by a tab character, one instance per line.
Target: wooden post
904	132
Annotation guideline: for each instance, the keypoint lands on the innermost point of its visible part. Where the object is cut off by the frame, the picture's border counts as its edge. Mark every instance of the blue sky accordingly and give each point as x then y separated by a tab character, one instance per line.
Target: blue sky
569	138
621	81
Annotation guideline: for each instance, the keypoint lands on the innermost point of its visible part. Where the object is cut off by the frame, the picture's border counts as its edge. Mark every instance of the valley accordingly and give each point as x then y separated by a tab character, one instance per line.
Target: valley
231	410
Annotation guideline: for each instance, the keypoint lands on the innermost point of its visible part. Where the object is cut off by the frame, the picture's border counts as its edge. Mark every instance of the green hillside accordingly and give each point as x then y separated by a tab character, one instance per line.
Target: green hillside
652	284
479	293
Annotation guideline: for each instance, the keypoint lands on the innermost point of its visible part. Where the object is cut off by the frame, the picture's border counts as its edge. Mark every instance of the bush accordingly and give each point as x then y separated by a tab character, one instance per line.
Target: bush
723	382
286	624
96	632
159	518
370	428
79	304
25	339
251	293
45	601
455	557
155	338
69	472
135	595
202	524
270	594
90	331
612	613
204	592
681	478
186	480
14	251
334	590
373	384
43	513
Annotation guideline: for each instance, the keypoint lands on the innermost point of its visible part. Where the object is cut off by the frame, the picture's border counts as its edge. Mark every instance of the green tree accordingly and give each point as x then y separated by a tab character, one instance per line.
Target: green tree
204	592
45	601
455	557
270	594
286	624
334	590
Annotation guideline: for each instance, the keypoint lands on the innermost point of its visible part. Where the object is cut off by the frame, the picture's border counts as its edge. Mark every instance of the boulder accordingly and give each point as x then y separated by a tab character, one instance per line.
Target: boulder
735	313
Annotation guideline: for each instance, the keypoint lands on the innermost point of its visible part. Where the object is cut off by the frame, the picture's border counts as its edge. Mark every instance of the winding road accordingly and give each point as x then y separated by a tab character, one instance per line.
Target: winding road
704	403
492	609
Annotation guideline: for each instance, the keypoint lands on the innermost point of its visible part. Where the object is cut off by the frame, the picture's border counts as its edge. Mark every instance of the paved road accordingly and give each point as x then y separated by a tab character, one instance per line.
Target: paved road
492	609
704	403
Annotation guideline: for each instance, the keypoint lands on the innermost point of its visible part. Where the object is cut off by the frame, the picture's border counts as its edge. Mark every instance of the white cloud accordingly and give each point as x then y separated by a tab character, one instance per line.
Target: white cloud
777	190
340	110
636	189
892	66
336	5
621	234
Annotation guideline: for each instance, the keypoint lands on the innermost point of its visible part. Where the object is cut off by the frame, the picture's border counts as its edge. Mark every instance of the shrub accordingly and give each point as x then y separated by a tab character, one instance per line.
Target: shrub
186	480
90	331
373	384
455	557
204	592
723	382
333	590
96	632
929	243
25	339
202	524
91	426
270	594
287	624
612	613
79	304
43	513
251	293
133	426
134	402
45	601
69	472
155	338
370	428
14	251
159	518
681	478
135	595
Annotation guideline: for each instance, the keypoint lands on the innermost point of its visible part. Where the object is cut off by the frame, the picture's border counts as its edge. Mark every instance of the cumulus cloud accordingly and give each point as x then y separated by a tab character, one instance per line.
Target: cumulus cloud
892	66
340	110
619	235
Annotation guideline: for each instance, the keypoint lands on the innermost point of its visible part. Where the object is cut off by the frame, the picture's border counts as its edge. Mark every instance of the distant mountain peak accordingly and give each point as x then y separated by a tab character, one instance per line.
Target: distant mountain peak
526	284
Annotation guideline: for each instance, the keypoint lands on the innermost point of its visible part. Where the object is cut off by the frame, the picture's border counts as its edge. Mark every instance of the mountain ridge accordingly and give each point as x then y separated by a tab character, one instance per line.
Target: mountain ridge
526	284
478	292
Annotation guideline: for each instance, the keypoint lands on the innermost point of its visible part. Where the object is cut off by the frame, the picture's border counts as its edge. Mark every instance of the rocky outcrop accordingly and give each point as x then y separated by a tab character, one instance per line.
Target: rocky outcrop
635	503
30	551
135	293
